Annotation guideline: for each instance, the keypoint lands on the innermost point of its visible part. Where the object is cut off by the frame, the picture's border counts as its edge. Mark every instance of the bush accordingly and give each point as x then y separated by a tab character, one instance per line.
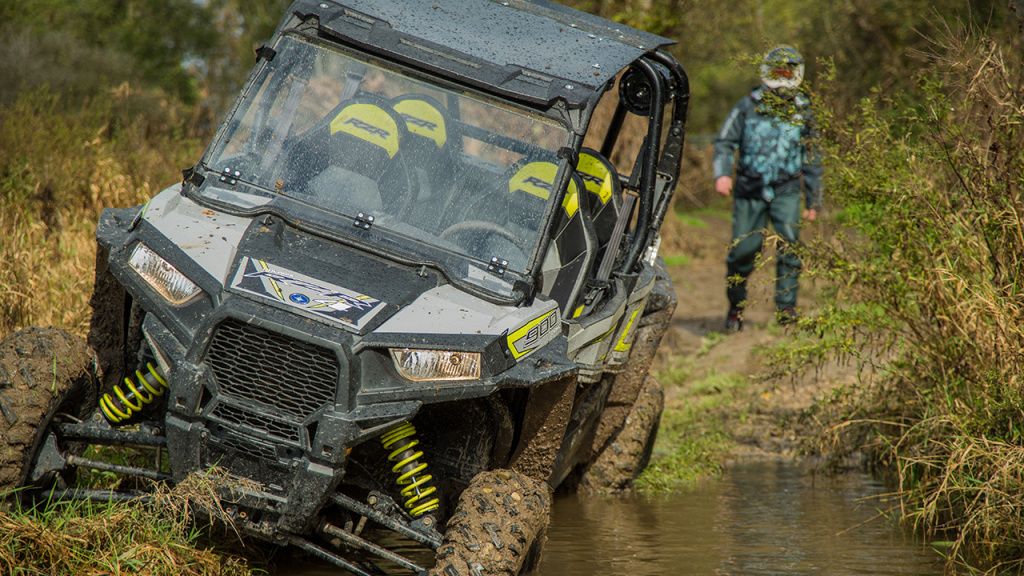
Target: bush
930	282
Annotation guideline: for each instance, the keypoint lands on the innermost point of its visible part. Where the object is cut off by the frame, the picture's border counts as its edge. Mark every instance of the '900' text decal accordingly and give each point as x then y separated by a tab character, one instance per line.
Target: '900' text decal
533	334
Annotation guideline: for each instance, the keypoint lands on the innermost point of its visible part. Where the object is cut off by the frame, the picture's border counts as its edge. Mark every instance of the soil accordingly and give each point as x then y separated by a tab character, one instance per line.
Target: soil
764	419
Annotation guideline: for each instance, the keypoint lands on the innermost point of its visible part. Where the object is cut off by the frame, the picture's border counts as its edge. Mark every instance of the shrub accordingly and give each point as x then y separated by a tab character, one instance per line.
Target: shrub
929	271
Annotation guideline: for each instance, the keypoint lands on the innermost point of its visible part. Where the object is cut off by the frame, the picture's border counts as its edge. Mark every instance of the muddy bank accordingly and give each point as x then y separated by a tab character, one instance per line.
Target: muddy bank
719	408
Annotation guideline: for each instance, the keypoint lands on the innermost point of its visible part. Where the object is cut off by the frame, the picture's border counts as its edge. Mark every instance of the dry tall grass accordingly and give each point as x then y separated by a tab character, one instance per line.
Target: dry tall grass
152	537
61	163
931	188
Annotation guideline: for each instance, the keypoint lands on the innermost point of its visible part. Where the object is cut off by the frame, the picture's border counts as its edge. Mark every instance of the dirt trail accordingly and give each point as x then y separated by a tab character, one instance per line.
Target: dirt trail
761	418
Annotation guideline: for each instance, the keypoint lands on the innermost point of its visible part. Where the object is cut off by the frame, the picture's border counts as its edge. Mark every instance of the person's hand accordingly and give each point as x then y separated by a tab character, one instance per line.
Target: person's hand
723	185
811	214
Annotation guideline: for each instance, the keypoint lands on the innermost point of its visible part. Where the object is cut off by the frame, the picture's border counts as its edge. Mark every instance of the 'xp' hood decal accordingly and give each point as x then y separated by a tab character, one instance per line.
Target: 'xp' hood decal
309	295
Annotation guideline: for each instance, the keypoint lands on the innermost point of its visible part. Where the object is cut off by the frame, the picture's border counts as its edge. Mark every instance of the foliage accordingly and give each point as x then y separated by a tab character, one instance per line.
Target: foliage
157	38
157	536
692	437
929	272
60	165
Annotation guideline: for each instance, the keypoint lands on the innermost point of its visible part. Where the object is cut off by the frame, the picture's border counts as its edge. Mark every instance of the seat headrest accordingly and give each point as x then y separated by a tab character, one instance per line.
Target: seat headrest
598	175
538	178
370	123
423	117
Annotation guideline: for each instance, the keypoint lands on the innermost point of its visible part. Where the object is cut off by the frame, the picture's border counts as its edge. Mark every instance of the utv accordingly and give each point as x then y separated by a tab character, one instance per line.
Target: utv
398	295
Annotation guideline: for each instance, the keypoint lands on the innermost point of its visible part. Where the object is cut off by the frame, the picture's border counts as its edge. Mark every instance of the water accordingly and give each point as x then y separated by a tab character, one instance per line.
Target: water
758	519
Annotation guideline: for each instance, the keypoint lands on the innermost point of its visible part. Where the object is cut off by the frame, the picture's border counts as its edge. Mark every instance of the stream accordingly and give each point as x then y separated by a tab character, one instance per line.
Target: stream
757	519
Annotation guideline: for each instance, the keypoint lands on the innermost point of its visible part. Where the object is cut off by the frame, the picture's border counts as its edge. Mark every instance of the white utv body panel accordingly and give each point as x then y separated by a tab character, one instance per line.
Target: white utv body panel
209	238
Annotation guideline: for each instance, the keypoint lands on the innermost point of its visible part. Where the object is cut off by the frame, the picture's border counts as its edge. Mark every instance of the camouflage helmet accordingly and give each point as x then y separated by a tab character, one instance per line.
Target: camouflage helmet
782	67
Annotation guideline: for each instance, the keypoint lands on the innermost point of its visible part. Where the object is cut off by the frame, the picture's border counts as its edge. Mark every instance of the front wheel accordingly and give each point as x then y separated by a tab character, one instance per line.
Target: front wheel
498	527
43	372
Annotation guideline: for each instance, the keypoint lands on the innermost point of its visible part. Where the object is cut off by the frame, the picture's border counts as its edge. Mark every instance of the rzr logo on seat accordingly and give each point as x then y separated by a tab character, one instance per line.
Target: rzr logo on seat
367	127
419	122
538	182
591	178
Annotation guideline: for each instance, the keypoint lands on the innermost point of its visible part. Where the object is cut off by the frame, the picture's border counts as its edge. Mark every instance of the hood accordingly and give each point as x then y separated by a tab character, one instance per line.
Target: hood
265	260
323	279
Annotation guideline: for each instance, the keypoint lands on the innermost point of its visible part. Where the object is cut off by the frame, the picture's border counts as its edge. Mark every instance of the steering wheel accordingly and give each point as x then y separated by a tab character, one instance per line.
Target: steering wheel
479	226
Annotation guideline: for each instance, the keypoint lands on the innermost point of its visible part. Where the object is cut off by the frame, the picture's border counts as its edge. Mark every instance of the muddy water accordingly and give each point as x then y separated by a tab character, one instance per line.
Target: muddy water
759	519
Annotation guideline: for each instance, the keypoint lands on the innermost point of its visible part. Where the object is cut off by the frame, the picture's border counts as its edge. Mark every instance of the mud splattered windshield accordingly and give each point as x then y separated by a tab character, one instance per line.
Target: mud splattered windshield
451	169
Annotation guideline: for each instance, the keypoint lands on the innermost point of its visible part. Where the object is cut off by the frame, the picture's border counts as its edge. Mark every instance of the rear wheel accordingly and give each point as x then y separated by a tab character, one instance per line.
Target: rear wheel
618	465
44	372
498	527
633	408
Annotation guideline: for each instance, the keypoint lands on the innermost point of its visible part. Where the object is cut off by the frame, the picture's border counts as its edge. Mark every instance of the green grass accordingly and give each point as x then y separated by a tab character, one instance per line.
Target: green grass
677	260
690	220
158	537
693	437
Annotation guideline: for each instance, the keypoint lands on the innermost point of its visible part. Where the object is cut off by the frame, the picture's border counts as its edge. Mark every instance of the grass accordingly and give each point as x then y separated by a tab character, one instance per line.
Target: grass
156	537
61	163
693	438
691	220
676	260
929	267
56	175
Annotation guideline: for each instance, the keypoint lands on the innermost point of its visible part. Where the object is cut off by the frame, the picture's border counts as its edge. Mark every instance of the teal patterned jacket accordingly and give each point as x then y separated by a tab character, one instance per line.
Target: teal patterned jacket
773	149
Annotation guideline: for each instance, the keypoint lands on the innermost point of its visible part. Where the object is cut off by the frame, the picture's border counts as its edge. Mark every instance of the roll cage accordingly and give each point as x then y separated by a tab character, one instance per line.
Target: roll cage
648	78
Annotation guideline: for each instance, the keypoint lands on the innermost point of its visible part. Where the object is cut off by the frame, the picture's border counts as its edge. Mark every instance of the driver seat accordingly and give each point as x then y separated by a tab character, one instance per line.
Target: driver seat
363	171
573	247
429	153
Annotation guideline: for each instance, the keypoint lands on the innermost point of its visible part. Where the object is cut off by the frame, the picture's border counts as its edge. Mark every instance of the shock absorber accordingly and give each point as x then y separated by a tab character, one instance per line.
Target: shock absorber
417	489
120	405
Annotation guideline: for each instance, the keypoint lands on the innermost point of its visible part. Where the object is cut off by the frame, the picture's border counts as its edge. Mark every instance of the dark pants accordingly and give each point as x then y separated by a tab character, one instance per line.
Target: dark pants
749	220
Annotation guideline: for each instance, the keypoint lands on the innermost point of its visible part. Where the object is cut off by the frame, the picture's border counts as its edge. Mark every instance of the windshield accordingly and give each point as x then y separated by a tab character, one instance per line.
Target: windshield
448	168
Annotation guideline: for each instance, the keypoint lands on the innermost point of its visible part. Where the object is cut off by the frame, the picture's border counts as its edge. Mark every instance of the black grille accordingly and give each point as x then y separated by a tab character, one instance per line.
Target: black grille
286	374
257	422
247	448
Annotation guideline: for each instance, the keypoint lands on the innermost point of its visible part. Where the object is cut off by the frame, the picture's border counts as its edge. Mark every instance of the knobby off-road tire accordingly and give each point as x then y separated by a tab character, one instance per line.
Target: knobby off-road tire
619	464
498	527
634	397
43	372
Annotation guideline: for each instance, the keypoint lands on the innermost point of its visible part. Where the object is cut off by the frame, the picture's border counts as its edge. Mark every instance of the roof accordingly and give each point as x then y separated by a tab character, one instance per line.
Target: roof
536	51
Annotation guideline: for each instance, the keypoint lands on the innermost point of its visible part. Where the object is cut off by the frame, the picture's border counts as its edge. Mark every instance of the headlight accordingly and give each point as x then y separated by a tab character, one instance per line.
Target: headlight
419	365
161	276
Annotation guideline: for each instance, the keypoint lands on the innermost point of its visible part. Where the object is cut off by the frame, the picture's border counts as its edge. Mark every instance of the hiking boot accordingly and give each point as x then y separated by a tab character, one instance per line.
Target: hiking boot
786	316
734	320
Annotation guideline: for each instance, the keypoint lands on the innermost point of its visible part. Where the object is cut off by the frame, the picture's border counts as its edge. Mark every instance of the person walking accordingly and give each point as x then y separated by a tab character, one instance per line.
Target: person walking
770	128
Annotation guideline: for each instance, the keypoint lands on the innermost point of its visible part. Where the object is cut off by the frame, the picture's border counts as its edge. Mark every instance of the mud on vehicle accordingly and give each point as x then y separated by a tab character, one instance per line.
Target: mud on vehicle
397	294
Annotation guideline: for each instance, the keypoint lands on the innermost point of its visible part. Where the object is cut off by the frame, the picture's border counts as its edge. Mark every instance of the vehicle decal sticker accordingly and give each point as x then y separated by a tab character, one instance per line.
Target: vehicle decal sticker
596	176
624	343
422	118
305	293
532	335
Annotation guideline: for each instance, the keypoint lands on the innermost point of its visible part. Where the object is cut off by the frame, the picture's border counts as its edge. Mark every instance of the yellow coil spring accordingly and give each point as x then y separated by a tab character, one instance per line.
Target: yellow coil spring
121	406
416	487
